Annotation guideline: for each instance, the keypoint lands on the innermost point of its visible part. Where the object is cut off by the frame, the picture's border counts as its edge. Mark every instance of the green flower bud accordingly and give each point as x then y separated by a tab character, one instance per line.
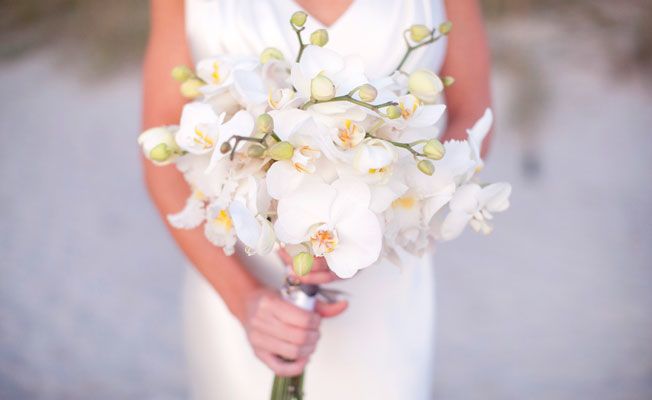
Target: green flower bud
394	112
426	167
425	85
269	54
322	88
419	32
255	151
225	147
434	150
448	81
302	263
158	144
367	93
190	88
319	37
299	18
265	123
160	153
445	27
182	73
281	151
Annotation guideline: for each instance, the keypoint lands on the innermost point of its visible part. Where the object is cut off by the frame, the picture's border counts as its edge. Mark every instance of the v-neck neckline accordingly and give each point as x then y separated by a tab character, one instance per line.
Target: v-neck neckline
335	23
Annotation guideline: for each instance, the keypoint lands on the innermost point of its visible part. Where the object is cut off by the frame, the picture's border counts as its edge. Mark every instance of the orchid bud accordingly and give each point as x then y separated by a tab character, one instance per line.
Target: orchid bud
426	167
448	81
269	54
299	18
160	153
367	93
425	85
281	151
255	151
302	263
182	73
264	123
158	145
225	147
319	37
434	150
419	32
394	112
190	88
445	27
322	88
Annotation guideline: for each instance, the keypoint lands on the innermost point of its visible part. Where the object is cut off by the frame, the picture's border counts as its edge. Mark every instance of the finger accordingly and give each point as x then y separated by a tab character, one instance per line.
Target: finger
279	347
329	310
280	367
285	257
293	315
320	264
287	333
318	278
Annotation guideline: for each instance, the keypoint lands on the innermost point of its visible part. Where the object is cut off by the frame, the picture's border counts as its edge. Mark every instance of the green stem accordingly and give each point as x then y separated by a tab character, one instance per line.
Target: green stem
287	388
410	48
406	146
302	46
373	107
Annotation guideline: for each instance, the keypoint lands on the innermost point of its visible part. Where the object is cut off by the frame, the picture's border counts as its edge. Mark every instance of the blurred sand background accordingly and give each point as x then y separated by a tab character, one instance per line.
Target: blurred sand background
556	304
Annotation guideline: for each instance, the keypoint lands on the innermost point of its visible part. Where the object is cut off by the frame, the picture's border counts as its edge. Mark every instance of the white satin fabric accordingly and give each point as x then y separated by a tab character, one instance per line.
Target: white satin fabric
382	346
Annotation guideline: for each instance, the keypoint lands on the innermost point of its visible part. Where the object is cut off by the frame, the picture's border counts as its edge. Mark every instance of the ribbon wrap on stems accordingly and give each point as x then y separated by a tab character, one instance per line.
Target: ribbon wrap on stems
305	297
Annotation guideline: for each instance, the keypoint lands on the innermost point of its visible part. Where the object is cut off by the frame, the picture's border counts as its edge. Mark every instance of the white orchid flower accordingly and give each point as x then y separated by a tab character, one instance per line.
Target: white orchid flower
375	157
408	218
255	231
475	205
307	164
204	187
218	72
345	73
462	157
202	131
335	221
219	229
416	114
198	128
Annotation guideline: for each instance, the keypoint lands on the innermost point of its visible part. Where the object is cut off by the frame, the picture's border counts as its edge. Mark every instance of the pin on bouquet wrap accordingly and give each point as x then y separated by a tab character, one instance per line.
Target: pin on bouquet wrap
313	155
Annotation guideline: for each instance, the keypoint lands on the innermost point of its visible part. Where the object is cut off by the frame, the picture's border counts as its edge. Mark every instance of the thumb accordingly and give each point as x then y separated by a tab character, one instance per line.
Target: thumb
328	310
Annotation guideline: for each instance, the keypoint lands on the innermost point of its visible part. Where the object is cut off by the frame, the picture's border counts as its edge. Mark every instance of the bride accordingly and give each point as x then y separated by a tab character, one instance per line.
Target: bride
380	343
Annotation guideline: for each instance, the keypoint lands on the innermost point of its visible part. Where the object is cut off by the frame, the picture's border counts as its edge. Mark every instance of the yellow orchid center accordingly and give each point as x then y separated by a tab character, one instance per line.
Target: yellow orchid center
407	111
198	194
202	139
350	135
381	170
303	159
224	220
404	202
323	240
216	72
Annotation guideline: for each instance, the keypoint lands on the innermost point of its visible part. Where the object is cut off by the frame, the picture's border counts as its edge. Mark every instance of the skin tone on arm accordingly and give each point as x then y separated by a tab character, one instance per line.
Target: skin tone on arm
274	327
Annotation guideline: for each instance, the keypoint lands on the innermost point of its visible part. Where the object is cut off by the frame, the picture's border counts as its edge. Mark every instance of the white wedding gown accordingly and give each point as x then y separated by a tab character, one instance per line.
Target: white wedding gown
382	346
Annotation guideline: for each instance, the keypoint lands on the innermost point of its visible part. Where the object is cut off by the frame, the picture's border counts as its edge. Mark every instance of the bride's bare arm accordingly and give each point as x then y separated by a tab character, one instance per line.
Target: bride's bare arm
468	60
273	326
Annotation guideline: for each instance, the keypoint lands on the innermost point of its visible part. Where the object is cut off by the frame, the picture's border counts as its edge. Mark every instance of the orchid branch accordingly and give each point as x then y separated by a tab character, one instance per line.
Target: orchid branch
374	107
433	38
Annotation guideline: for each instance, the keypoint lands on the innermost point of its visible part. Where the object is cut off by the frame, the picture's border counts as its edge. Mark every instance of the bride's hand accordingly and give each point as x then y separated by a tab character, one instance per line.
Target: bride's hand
276	328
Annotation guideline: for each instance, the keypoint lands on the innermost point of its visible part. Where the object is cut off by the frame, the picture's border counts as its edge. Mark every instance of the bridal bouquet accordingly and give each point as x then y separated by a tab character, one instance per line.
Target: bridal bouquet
313	155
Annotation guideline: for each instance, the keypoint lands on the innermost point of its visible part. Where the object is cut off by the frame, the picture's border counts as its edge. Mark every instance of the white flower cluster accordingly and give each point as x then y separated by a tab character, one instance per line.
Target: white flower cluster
314	154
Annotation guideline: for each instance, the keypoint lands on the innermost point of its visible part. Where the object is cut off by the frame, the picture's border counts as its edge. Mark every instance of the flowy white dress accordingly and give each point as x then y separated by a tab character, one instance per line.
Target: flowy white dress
382	346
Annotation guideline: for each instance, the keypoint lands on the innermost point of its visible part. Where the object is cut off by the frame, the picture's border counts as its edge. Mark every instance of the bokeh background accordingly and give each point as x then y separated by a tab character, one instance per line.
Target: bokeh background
556	304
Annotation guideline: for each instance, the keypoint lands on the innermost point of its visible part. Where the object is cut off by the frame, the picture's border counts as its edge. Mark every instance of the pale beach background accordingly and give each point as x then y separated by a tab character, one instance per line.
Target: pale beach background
556	304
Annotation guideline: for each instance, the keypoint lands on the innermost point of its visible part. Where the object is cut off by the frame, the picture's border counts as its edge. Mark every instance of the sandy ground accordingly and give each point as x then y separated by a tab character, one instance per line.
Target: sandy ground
554	305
